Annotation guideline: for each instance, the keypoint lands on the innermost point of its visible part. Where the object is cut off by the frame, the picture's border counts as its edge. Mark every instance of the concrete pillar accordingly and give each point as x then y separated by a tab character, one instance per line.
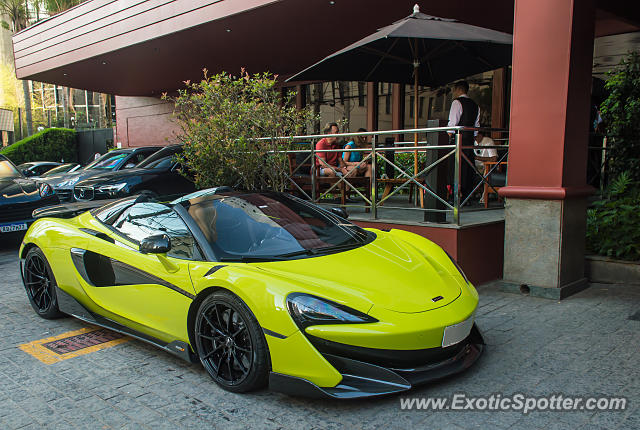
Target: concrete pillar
546	193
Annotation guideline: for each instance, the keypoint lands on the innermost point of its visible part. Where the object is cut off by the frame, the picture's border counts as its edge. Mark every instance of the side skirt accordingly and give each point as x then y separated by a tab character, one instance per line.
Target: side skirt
71	306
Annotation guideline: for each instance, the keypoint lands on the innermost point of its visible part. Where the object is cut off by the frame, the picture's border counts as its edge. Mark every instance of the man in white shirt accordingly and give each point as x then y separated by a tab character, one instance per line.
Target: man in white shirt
465	112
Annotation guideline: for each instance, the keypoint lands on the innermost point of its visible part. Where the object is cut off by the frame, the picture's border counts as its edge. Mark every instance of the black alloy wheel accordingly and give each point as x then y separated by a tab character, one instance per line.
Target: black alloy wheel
40	285
230	343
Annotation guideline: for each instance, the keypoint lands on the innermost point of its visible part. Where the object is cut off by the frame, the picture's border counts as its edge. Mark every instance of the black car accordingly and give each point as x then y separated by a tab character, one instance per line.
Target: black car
159	175
63	168
37	168
19	196
118	159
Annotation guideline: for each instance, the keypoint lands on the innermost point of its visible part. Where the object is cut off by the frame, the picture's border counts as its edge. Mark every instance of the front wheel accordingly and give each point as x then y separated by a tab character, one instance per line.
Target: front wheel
40	285
230	343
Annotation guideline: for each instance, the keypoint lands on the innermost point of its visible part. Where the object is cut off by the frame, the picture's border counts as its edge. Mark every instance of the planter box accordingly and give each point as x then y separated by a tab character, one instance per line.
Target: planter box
610	271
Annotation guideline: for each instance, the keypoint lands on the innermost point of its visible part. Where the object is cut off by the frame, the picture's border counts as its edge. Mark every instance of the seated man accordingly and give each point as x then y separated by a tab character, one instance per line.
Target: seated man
326	159
484	154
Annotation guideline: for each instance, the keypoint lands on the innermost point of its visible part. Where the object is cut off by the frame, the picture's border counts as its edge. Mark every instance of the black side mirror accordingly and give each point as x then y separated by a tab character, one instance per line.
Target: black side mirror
341	212
158	244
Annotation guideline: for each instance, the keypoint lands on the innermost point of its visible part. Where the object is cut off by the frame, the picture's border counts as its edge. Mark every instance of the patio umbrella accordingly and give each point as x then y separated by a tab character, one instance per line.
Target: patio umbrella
419	50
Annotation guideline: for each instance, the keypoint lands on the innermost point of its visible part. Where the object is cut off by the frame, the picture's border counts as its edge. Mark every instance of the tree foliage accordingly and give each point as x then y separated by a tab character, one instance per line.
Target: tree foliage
612	222
57	6
222	119
16	12
621	115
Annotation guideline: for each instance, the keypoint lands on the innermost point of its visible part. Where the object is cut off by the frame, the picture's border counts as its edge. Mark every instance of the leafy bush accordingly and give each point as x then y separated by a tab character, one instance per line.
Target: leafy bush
612	222
52	144
621	116
221	119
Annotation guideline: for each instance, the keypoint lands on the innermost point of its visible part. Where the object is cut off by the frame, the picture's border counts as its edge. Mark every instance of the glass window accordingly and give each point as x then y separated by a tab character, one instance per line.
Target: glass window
162	159
109	161
270	224
8	170
149	219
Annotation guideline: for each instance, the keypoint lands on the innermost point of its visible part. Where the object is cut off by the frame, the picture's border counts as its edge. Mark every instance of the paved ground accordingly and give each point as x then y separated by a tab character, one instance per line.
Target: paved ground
585	346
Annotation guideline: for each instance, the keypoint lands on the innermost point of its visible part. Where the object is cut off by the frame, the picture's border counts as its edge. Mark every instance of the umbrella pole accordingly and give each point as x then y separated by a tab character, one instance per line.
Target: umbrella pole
419	195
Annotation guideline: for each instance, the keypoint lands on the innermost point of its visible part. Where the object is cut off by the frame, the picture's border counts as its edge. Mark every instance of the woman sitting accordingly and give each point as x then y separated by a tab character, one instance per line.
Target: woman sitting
354	158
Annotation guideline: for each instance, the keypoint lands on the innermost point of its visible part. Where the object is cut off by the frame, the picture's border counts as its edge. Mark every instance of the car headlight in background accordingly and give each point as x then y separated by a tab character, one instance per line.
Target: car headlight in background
68	183
458	267
307	310
112	189
45	189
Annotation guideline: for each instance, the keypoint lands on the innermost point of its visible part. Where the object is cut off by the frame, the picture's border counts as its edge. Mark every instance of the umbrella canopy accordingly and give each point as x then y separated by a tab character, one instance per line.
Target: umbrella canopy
440	50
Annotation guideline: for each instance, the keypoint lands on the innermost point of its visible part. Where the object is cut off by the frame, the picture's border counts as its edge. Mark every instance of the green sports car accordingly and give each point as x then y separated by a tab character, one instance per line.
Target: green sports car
261	288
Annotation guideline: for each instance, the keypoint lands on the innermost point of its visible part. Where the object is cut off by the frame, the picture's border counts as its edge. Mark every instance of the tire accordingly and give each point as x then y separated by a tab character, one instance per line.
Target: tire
40	284
230	343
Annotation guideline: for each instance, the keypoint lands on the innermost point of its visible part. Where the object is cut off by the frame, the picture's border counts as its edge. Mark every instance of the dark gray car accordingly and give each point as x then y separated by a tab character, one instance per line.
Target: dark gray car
118	159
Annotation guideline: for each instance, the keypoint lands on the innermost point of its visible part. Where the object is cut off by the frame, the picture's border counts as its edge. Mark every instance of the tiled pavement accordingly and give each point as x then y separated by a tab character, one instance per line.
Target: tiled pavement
585	345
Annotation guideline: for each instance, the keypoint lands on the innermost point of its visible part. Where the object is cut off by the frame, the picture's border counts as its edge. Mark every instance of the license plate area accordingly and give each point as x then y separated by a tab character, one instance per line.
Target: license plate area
456	333
13	227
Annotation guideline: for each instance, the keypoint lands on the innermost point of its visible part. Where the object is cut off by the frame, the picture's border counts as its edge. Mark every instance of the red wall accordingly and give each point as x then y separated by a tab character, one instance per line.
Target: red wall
144	121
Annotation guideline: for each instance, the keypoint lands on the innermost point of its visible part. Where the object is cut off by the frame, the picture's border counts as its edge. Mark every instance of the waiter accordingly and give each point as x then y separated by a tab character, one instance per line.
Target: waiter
465	112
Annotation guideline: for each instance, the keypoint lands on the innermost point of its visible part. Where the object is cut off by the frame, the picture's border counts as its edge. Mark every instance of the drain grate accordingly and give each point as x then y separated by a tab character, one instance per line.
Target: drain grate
635	317
81	341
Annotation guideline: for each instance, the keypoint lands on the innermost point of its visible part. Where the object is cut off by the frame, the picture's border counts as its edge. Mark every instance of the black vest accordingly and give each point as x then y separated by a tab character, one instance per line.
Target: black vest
468	118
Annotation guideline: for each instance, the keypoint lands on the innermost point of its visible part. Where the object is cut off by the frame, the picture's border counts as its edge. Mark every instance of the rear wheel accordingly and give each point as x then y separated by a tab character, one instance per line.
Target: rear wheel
230	343
40	285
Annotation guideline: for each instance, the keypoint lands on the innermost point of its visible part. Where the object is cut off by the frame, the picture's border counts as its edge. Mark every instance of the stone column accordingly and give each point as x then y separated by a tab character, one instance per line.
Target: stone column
546	193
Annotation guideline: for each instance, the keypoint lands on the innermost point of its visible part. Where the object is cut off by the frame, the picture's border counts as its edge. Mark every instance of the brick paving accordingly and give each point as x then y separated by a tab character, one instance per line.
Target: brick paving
585	345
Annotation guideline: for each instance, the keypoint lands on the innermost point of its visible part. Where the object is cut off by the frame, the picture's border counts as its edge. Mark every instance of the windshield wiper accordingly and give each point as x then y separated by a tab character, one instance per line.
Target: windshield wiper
251	258
318	251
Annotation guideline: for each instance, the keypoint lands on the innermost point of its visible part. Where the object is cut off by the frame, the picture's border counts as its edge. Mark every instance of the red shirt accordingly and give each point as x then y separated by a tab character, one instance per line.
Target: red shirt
330	157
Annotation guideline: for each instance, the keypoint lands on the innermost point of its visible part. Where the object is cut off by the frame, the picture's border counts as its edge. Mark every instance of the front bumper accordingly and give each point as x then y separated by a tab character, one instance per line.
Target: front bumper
383	373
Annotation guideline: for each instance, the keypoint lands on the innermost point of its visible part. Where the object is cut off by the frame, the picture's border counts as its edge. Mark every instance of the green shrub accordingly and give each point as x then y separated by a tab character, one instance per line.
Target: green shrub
621	115
221	118
52	144
612	222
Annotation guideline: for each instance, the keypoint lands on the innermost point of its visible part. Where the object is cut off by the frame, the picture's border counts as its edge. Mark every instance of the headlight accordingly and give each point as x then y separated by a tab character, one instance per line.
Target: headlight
68	183
458	267
45	189
112	189
309	310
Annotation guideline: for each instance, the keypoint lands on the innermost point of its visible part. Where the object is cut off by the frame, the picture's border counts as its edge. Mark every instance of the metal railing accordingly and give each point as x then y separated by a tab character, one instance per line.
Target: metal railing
439	161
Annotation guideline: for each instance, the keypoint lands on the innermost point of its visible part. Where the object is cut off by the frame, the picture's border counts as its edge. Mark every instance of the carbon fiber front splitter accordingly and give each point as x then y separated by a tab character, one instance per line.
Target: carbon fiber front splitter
361	379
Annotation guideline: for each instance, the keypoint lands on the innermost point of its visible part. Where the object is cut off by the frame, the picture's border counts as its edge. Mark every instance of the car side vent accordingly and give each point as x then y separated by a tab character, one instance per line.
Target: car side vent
98	234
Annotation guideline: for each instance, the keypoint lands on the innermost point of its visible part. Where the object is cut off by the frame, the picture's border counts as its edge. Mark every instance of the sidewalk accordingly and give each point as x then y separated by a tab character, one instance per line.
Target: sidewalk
585	345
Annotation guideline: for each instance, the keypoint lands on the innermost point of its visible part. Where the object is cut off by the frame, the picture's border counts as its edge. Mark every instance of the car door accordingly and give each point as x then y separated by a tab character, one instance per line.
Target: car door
151	290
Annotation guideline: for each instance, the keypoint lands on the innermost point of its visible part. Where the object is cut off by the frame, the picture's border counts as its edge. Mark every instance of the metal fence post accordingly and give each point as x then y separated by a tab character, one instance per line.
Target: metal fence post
374	181
313	171
456	179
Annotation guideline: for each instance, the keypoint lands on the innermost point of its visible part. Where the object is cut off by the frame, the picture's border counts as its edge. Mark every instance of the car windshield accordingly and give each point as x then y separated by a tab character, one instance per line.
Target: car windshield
271	226
162	159
108	161
60	169
8	170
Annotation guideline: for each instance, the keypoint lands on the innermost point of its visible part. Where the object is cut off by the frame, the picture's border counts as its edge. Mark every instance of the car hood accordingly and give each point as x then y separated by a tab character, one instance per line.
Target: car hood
387	272
115	177
18	190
